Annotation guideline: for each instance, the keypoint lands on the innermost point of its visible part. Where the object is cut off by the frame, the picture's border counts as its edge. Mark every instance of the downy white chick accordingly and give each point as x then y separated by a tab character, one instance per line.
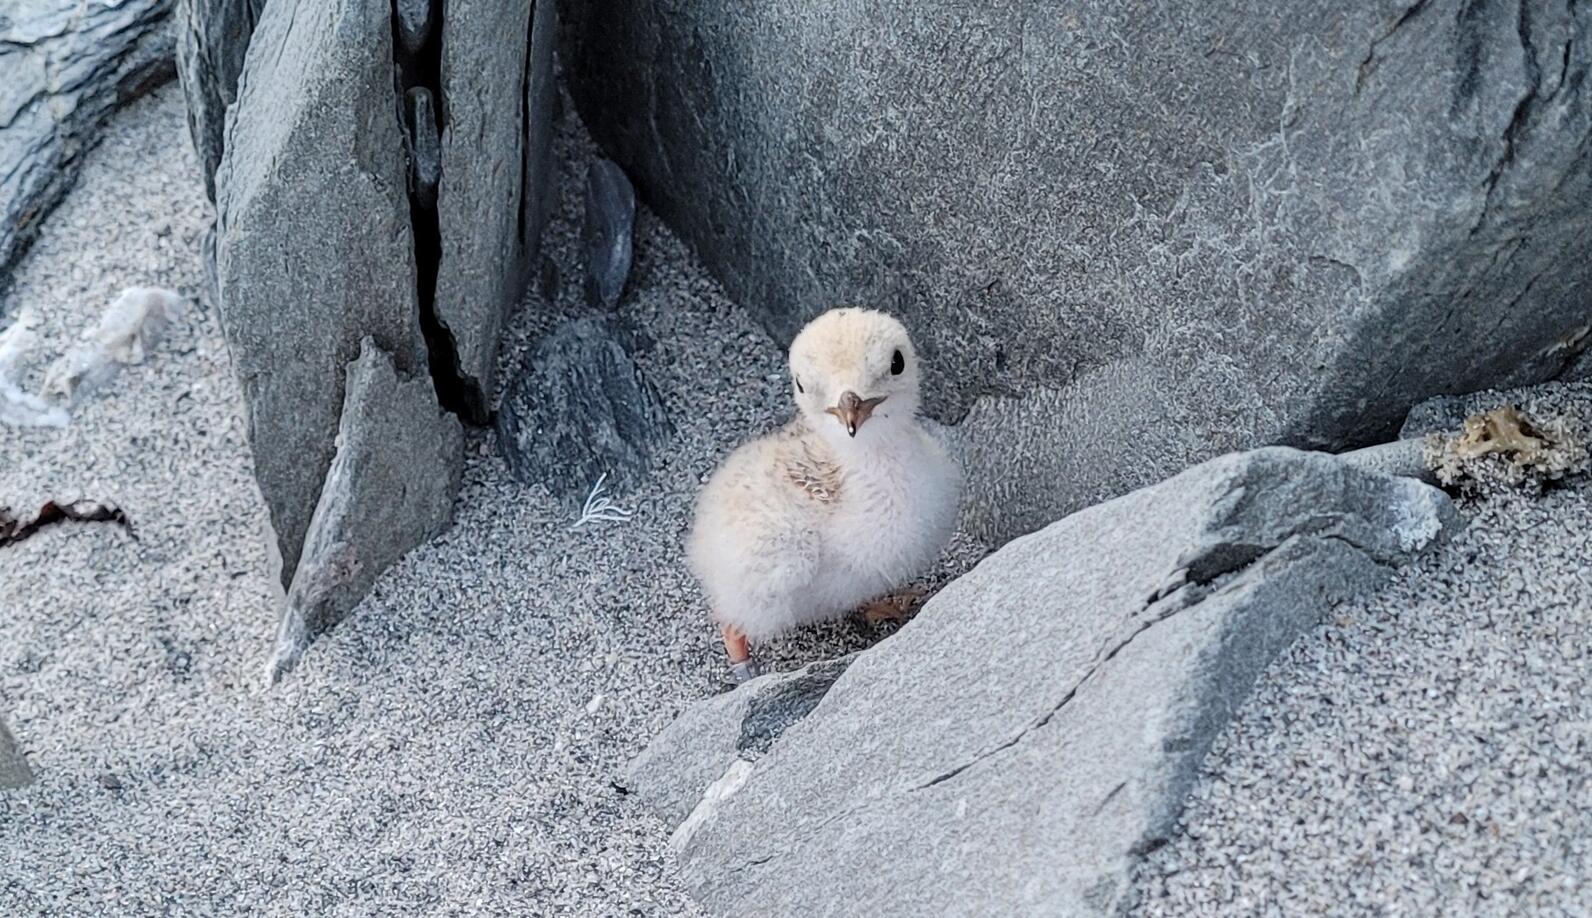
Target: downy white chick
845	504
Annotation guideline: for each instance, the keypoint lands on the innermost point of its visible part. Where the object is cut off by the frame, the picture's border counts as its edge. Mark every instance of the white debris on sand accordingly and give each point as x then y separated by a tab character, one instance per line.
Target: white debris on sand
17	407
133	323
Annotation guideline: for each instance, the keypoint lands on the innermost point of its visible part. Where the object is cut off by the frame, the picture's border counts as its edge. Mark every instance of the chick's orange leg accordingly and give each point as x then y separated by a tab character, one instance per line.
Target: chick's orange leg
735	644
742	666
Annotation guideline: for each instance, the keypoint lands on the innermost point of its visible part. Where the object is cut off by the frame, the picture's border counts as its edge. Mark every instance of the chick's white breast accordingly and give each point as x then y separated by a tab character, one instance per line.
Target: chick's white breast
897	518
756	539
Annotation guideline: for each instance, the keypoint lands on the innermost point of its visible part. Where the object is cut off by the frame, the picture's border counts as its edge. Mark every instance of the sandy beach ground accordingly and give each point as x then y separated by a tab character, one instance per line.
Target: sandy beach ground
450	748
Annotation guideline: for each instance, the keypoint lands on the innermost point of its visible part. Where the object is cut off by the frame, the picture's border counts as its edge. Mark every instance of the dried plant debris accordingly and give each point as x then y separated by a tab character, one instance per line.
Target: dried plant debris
1505	447
14	529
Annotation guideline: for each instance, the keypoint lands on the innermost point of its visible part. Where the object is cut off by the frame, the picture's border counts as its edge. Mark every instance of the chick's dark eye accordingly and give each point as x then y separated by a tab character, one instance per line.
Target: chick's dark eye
799	386
898	364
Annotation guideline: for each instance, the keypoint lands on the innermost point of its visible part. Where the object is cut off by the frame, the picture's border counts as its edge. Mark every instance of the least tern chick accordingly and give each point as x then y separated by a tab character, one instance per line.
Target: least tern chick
847	503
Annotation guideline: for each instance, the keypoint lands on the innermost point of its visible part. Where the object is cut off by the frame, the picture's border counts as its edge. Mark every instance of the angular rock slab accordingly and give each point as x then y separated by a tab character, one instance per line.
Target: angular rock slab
391	488
700	746
66	67
314	248
1169	230
212	42
489	63
14	770
579	410
1018	745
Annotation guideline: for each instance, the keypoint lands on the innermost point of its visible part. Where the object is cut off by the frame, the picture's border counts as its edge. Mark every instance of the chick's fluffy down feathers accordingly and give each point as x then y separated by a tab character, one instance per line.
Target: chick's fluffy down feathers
809	522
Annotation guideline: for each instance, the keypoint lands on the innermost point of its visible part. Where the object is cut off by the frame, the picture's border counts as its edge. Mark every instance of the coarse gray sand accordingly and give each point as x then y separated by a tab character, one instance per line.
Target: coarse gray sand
1428	751
451	748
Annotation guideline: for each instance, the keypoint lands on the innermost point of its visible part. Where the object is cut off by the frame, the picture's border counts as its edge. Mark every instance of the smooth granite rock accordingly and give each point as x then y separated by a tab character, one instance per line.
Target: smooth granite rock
212	42
487	66
390	488
14	770
1019	745
607	232
314	248
581	409
1192	228
65	67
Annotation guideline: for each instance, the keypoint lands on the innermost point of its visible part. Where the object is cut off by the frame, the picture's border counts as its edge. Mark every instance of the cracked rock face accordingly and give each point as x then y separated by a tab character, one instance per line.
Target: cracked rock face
212	40
492	134
1023	741
1173	230
314	250
381	171
67	67
698	748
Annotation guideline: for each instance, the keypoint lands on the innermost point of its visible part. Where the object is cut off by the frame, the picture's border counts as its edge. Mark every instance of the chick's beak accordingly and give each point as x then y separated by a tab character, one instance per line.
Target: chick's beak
853	410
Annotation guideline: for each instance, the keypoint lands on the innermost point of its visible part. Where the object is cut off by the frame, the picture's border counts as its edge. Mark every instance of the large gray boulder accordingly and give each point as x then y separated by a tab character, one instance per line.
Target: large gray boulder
391	487
314	248
1128	236
65	67
1018	746
14	770
212	41
487	226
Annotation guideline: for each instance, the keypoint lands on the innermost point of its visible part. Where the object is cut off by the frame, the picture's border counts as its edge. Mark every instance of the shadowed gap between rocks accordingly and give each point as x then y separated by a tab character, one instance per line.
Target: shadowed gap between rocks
417	60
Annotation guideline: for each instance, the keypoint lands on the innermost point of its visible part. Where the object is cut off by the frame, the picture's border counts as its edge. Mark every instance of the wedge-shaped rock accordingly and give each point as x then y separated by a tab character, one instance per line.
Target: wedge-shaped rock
314	249
13	768
1016	747
391	487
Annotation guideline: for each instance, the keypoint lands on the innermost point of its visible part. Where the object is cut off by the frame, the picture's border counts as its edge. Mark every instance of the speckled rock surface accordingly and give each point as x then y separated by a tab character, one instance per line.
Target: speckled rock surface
1130	236
1018	747
1423	753
581	410
315	136
488	65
